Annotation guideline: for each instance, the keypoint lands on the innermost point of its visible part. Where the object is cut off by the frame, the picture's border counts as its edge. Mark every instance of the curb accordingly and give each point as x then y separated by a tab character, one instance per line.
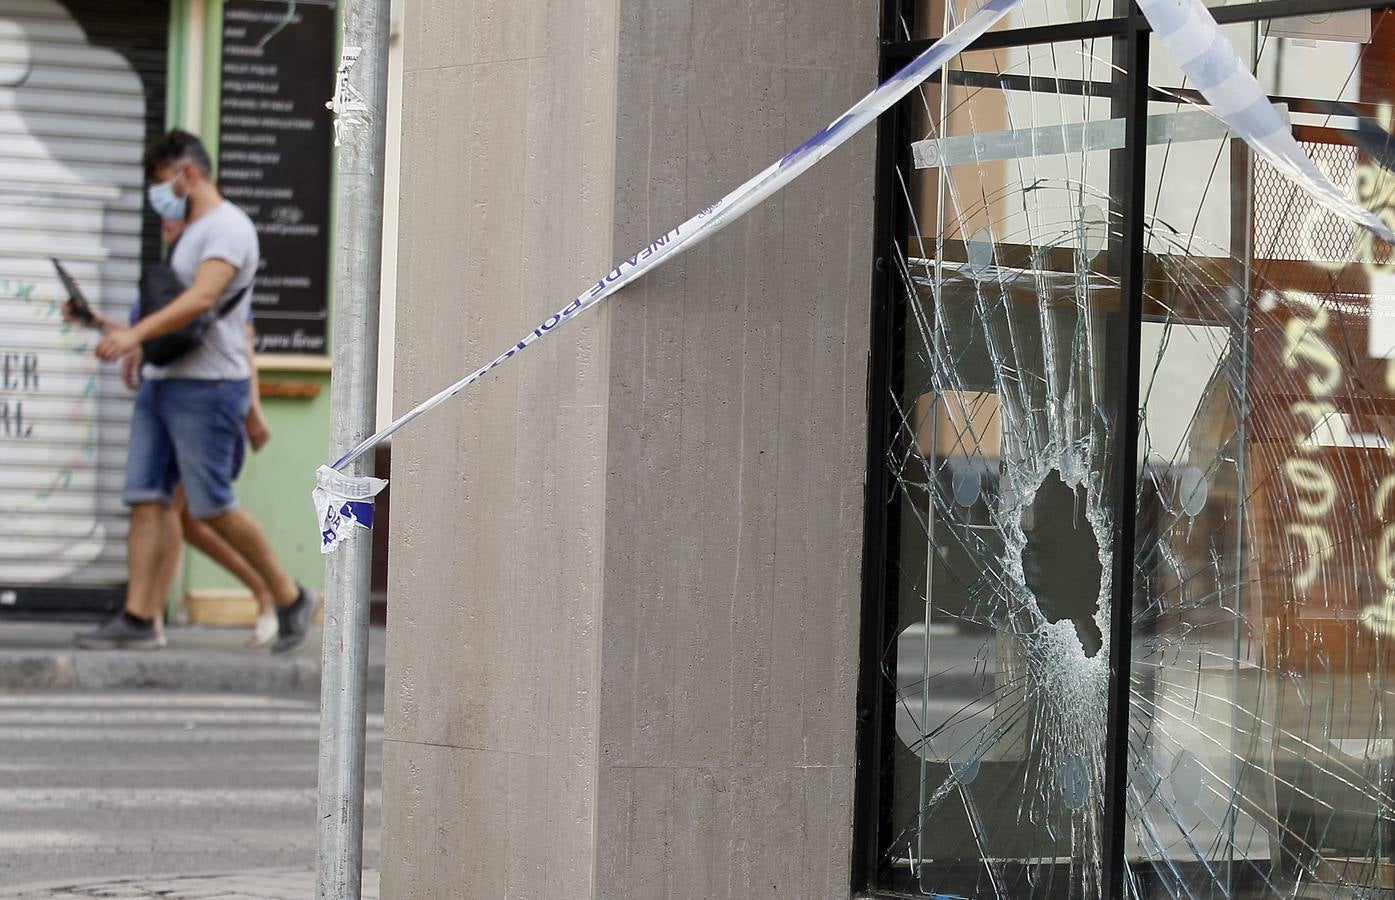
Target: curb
84	883
174	670
174	886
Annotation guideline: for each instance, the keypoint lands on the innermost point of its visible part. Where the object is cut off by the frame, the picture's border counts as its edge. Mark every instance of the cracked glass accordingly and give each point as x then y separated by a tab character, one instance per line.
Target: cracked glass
1259	749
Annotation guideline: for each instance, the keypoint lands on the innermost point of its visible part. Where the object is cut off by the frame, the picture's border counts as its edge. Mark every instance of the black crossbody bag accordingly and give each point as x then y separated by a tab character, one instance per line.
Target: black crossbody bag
159	286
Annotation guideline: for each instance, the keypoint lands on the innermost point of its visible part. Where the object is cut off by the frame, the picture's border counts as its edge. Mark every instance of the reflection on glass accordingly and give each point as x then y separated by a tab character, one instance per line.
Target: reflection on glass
1260	746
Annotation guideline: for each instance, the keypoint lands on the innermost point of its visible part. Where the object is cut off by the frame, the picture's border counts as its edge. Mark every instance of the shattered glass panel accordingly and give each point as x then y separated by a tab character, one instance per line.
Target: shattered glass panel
1003	458
1260	752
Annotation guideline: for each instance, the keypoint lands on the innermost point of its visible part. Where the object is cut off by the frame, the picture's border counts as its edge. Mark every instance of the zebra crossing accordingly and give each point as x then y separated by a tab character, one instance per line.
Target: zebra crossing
108	785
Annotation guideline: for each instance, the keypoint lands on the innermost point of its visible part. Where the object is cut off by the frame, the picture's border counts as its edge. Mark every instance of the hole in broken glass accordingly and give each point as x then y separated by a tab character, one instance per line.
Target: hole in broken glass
1061	562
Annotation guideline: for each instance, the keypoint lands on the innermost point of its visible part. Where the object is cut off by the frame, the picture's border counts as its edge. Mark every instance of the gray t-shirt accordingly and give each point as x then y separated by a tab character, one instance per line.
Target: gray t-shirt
225	233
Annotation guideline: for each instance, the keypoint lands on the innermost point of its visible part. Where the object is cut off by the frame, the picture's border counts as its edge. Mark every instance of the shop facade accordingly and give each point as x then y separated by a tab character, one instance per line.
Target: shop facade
1074	243
86	86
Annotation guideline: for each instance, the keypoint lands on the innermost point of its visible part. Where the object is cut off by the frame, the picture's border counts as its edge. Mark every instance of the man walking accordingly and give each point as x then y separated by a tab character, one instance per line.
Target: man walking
188	414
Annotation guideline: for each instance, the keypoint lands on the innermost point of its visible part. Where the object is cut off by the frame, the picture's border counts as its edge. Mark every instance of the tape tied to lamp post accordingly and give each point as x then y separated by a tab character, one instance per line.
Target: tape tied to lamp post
1185	27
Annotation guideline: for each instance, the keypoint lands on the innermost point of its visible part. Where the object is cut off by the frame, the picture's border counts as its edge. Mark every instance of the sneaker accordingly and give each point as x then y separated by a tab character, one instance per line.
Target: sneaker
120	632
265	630
294	622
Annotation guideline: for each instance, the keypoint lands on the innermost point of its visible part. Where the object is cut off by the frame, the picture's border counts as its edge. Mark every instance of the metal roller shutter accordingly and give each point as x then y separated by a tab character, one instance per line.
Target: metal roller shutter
82	87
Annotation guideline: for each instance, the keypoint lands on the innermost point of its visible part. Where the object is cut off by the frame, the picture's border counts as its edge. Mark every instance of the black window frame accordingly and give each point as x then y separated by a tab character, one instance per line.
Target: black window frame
875	698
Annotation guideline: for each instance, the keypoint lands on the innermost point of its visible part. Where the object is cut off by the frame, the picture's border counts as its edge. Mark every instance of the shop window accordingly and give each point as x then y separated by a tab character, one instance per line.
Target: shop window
1258	755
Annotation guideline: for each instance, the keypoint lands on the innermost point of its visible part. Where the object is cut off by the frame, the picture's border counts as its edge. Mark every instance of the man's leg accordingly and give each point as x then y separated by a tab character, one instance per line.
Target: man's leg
169	569
202	537
245	543
205	430
295	606
147	544
149	481
151	555
169	563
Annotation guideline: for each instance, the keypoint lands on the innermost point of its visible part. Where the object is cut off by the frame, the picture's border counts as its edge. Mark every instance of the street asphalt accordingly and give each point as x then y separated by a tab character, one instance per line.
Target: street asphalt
262	884
200	759
112	784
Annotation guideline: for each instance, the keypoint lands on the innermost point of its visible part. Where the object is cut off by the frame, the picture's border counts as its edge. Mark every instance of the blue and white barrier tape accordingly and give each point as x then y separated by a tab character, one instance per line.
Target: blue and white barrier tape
686	236
1205	55
1185	27
343	502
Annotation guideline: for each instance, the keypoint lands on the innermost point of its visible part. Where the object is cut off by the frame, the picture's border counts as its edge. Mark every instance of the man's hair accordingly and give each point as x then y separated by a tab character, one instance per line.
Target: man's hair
175	147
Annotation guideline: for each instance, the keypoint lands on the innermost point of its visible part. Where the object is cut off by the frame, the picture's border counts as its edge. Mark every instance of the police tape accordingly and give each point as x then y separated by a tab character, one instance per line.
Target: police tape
1186	28
330	503
1205	55
343	502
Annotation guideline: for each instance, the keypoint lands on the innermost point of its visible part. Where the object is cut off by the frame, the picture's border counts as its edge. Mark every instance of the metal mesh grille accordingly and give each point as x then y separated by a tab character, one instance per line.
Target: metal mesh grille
1288	224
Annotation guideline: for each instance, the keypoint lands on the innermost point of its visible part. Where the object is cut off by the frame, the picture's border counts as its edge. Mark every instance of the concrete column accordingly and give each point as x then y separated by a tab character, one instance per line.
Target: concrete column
625	571
507	172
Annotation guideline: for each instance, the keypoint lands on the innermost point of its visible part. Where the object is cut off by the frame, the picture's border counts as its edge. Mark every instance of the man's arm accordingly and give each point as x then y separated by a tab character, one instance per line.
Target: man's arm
258	431
210	280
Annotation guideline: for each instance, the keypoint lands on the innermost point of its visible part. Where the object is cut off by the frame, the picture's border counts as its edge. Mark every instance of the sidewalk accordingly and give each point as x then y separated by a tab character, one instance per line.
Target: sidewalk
41	656
268	884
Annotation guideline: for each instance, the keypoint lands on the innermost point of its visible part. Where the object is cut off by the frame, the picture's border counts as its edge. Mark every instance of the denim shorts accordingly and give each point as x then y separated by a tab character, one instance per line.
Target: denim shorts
186	430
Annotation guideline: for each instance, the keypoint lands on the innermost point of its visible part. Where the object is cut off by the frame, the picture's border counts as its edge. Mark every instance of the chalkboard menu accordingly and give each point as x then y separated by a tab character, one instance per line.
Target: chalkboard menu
274	157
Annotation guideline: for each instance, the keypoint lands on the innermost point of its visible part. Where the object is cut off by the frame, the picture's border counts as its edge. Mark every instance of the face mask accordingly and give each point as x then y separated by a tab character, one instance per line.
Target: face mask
166	203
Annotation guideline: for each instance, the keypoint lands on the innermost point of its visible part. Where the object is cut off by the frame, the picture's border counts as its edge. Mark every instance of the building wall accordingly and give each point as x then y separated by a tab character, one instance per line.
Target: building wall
736	458
507	176
625	569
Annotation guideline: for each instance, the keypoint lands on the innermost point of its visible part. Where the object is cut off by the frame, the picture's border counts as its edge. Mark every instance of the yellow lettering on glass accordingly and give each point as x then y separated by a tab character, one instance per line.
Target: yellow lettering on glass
1317	491
1303	340
1316	412
1317	546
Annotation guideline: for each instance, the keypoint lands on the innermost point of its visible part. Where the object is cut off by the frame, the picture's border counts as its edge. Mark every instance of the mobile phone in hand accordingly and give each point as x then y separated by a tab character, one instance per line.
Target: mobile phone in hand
77	303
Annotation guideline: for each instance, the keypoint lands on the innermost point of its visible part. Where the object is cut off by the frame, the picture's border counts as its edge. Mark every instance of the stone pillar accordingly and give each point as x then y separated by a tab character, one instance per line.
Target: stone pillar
625	569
